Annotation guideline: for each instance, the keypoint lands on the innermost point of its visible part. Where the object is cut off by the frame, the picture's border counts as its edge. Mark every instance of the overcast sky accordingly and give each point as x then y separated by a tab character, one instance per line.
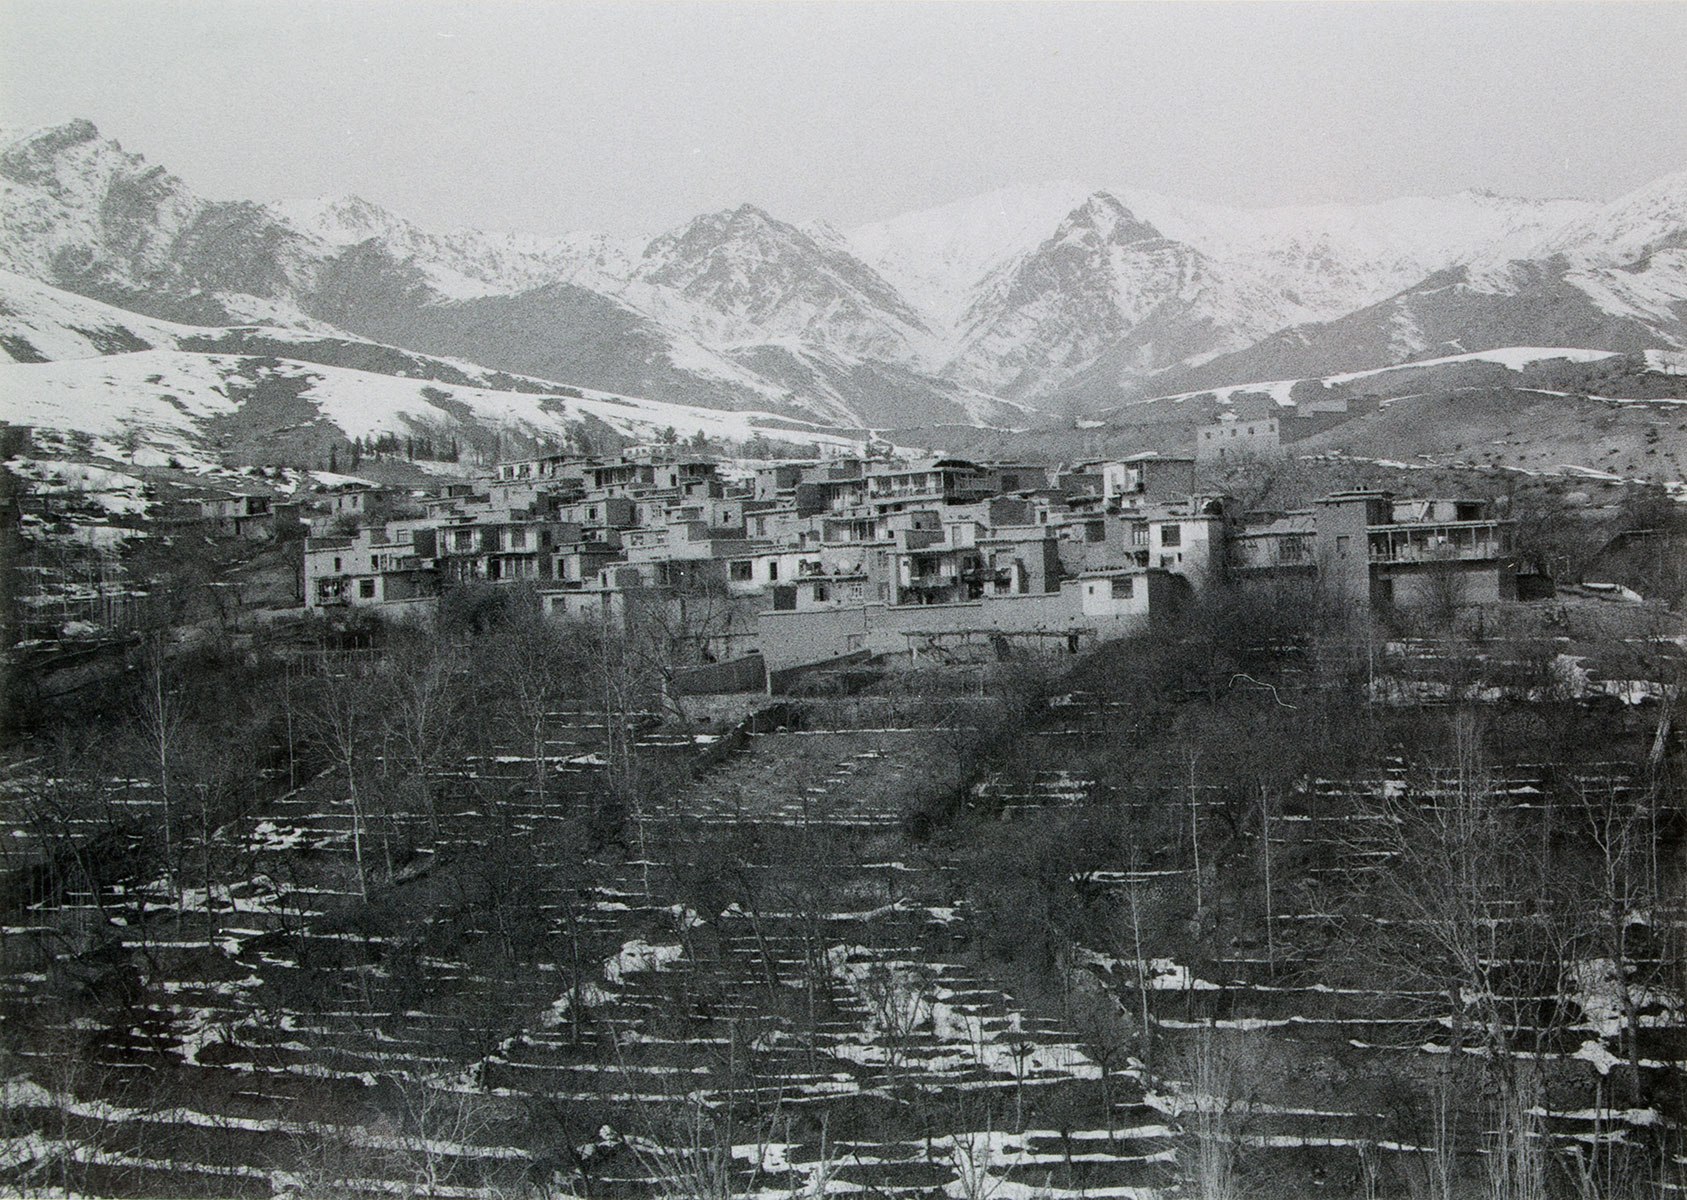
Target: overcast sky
632	117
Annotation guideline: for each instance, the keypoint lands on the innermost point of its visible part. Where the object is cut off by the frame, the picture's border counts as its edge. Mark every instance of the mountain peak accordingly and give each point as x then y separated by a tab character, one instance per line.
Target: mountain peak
341	220
1107	216
29	157
56	137
737	228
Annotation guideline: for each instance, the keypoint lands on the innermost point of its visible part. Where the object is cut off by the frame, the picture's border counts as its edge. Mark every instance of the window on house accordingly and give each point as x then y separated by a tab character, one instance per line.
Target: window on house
773	569
820	593
518	539
856	592
1341	544
366	588
337	566
1171	535
1123	587
739	571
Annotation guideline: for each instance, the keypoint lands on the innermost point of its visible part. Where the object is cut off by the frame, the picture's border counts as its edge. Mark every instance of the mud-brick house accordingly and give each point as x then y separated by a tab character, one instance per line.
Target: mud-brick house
1369	549
501	551
379	566
242	515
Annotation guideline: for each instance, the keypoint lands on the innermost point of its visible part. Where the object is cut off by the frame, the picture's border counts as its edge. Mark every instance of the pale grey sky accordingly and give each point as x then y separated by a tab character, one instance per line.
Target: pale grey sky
552	117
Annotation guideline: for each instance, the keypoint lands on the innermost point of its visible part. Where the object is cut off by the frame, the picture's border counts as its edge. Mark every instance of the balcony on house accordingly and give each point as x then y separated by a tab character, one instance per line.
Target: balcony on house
1440	541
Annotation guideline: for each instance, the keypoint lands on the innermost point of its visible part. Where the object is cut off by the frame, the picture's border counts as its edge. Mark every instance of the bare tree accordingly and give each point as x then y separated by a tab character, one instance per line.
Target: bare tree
1456	865
440	1131
671	629
537	669
211	775
161	712
1106	1032
899	996
1216	1105
342	719
424	695
690	1156
973	1160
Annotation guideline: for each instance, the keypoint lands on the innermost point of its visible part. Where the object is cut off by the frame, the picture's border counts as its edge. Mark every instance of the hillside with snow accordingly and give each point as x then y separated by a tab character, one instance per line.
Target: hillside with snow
145	391
152	405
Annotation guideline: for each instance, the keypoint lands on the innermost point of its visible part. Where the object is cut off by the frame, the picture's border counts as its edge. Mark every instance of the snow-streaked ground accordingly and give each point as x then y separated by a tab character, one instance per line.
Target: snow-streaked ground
164	398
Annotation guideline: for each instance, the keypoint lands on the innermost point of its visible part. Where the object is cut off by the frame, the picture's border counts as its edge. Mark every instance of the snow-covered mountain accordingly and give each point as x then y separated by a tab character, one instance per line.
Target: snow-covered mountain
938	257
1058	297
1613	278
1102	274
1650	218
468	263
1131	283
1325	260
747	277
1332	259
79	212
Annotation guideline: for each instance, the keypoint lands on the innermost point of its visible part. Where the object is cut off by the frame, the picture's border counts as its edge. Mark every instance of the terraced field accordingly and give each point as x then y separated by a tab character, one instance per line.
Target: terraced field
759	985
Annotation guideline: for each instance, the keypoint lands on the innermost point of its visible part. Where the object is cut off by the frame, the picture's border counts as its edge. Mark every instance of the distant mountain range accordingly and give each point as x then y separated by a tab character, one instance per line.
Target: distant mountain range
995	311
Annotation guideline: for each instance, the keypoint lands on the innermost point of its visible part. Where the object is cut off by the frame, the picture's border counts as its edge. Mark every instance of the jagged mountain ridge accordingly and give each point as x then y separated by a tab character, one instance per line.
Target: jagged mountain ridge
1634	307
1613	277
1109	286
1055	296
771	280
81	213
465	264
1259	271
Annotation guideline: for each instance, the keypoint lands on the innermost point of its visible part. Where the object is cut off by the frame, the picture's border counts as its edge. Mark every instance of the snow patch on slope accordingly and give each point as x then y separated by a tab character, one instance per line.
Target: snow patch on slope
164	397
1513	358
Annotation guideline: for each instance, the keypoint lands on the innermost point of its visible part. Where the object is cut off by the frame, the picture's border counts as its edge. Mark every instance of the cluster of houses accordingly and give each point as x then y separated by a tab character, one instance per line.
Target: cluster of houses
807	562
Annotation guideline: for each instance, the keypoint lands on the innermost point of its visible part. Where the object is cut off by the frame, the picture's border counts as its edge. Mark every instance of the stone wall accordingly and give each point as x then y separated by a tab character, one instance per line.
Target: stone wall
747	674
790	639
